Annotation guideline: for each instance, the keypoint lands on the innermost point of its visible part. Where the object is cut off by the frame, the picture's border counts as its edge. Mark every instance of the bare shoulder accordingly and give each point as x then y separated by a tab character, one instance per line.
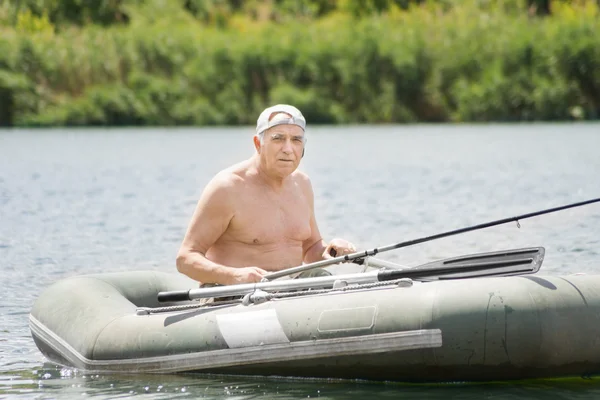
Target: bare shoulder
225	183
214	210
237	172
303	181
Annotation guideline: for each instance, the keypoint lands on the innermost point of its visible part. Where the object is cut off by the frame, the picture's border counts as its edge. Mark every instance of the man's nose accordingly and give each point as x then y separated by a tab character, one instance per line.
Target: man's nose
287	146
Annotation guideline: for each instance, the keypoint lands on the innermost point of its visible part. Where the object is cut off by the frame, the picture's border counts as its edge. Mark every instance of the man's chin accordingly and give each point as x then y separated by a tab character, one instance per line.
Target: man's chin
286	168
286	164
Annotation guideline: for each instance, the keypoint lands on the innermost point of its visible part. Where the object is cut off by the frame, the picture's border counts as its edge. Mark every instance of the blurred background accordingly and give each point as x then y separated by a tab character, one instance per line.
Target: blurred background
220	62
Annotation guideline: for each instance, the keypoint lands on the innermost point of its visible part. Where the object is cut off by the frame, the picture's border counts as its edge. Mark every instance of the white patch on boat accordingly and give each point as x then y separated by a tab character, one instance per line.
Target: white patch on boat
253	328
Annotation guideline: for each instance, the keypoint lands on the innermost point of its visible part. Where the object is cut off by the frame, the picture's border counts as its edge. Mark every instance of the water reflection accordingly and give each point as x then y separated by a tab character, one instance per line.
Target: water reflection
55	382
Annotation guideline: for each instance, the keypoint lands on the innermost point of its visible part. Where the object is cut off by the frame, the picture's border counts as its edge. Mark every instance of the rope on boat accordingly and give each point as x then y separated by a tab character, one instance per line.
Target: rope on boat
155	310
399	282
261	296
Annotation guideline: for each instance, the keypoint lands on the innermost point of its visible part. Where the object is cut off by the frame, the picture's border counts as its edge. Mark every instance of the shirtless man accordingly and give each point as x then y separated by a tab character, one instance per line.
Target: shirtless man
258	216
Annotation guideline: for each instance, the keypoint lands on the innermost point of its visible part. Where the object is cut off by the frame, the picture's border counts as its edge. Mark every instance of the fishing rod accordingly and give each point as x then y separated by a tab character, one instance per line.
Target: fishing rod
372	252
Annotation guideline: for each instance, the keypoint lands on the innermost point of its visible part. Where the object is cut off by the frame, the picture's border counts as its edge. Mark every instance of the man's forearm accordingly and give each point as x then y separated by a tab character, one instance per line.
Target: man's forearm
315	252
198	267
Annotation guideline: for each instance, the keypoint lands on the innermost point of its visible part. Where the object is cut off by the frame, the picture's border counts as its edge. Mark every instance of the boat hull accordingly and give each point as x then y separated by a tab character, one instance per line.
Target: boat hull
480	329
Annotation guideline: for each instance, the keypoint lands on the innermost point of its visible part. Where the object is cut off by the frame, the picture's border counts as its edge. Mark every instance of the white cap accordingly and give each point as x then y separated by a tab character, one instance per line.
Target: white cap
263	123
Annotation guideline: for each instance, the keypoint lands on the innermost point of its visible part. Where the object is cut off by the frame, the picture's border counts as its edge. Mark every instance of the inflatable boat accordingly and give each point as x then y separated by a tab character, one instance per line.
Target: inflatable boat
473	318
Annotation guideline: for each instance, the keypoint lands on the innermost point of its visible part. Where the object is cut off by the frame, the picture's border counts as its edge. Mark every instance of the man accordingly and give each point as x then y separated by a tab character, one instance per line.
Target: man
258	216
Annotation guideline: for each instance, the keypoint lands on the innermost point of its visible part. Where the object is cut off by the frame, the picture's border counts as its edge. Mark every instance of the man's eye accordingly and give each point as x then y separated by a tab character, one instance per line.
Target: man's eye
276	138
298	139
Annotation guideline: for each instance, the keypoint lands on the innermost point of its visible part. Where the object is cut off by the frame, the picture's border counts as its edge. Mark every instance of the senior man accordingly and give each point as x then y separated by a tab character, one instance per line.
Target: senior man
258	216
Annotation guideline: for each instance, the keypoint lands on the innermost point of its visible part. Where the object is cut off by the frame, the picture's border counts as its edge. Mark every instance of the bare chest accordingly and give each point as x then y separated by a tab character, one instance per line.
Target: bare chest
263	218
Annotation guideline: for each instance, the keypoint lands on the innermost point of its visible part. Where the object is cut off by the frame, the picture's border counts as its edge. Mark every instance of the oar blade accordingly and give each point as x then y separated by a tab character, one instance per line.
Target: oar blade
497	263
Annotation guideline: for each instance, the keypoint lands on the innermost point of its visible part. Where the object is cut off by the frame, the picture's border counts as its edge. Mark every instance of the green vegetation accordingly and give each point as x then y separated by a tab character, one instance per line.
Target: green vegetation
216	62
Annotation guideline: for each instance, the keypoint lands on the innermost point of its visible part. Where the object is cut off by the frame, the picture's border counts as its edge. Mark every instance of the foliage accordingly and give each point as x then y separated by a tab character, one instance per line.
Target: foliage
379	61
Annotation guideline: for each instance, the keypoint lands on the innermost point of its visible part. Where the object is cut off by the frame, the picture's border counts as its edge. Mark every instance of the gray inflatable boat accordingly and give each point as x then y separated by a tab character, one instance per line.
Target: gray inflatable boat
463	328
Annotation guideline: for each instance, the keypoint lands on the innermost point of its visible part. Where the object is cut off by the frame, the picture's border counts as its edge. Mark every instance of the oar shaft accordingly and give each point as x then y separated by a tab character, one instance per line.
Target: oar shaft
288	284
328	281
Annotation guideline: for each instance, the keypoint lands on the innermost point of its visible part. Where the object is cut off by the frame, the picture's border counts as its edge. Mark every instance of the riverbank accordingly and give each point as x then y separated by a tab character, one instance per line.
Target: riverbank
424	64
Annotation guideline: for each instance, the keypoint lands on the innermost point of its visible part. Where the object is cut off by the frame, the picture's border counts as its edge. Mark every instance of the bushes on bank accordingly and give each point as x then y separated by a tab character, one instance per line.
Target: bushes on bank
430	63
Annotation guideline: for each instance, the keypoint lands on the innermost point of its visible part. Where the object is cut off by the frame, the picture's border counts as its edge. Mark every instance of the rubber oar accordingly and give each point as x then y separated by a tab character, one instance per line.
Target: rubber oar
499	263
366	253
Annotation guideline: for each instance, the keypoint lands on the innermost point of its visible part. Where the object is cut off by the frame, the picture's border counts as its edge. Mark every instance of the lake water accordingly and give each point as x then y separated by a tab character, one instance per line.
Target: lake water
85	201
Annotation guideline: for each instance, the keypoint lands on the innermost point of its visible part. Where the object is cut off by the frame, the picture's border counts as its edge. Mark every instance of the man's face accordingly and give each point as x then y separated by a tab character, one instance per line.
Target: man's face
282	148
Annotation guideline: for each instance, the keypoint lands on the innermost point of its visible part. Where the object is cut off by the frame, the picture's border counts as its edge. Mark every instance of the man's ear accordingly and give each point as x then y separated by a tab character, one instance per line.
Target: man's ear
257	143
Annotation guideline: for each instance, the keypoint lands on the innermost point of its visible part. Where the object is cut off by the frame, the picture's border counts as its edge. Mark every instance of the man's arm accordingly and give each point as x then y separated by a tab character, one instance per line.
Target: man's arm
315	248
213	213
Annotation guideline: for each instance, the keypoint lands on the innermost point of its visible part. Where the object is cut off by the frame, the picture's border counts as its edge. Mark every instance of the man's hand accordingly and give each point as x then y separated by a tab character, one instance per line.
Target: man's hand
338	247
246	275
